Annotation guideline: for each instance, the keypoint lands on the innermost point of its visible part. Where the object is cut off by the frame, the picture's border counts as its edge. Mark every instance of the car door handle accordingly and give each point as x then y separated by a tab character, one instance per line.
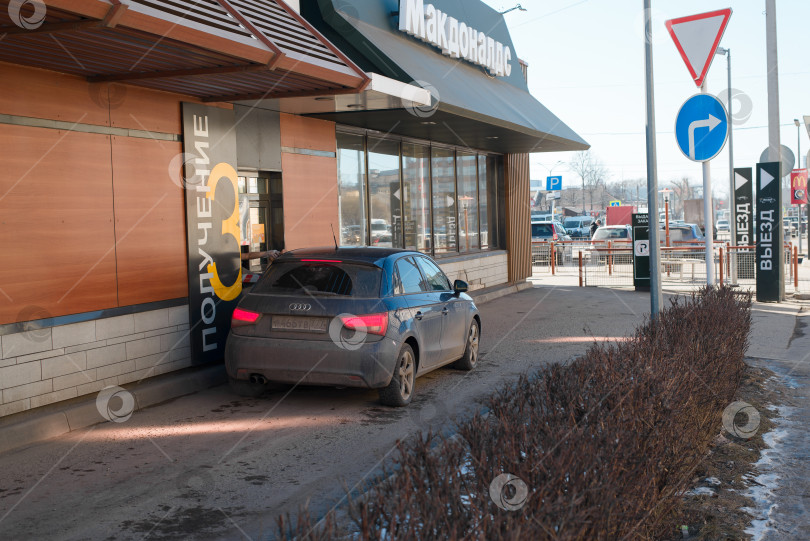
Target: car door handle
445	311
418	316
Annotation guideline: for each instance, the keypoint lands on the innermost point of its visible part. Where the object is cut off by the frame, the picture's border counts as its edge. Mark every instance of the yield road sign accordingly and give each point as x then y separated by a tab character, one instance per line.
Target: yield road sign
697	38
554	183
701	127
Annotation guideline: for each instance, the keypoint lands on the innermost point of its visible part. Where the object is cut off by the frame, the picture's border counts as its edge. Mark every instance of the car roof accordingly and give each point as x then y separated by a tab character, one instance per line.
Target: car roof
369	254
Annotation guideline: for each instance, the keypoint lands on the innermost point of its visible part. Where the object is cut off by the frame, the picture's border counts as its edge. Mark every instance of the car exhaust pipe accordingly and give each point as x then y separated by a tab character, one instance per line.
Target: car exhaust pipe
258	378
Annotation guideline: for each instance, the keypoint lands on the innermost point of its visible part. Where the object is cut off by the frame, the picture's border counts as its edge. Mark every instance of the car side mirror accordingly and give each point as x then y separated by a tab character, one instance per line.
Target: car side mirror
460	286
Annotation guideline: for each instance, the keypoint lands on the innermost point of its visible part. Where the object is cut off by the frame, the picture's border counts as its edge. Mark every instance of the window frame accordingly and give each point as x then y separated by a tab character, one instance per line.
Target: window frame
495	196
427	280
422	279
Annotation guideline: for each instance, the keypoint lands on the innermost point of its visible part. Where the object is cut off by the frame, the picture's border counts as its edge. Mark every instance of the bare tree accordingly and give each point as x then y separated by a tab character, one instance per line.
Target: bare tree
681	191
591	171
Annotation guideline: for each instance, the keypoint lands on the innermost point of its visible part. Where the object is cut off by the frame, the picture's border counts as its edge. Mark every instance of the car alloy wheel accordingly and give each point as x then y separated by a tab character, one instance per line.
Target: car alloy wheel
406	374
472	343
400	390
470	358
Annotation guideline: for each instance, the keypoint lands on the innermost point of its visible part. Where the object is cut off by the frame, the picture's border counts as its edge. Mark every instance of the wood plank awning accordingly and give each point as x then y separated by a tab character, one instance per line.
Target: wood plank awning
216	50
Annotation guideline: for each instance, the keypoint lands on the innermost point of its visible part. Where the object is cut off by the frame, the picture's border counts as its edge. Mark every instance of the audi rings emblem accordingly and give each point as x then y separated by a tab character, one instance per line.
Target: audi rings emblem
300	307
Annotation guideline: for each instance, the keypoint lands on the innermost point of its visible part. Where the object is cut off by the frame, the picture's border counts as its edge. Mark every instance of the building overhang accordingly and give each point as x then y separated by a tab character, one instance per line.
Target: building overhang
215	50
381	94
470	106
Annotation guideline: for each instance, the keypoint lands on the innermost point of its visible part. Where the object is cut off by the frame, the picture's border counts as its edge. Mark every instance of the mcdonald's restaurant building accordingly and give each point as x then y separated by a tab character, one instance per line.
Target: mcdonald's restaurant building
149	146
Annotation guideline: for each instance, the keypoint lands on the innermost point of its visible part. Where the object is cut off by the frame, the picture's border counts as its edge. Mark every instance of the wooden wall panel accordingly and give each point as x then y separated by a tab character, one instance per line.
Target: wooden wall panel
309	183
140	108
310	200
149	222
56	96
518	217
56	222
304	132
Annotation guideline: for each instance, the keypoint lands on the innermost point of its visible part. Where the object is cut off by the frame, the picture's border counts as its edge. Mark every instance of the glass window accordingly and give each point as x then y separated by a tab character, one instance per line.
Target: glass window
482	201
467	201
416	196
542	231
351	161
444	201
409	276
416	192
343	279
397	282
436	280
384	193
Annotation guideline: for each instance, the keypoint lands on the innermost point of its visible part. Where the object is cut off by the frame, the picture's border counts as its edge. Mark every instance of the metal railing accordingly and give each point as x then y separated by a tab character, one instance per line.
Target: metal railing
683	265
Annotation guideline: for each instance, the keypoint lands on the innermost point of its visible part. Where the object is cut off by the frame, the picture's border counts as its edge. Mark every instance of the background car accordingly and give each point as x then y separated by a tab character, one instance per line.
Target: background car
679	233
578	226
351	317
723	226
548	231
608	233
541	216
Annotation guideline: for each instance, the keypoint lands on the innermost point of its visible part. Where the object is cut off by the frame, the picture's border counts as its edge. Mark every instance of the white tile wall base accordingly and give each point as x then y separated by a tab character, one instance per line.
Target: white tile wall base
480	272
49	365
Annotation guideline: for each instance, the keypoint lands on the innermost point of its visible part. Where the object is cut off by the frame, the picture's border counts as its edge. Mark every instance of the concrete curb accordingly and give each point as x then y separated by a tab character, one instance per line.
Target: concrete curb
490	294
149	393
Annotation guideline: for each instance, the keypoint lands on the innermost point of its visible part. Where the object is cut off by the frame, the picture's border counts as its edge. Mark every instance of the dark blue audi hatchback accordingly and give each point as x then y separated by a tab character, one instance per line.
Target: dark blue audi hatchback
351	317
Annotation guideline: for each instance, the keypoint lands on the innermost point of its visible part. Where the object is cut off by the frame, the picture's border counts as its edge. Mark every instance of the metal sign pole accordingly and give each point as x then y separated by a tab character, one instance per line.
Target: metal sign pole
708	222
652	173
774	143
732	218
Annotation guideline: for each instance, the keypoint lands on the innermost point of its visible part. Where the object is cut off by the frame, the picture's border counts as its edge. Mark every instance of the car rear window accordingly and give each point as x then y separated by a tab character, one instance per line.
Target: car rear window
603	234
542	230
320	278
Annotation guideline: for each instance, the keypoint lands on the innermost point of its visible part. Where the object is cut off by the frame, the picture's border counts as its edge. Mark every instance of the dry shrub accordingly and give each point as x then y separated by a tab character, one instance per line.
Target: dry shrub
605	445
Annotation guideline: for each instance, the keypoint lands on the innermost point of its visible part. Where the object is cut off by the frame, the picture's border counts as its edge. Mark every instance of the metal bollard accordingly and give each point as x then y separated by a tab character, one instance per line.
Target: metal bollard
580	269
553	257
721	266
796	267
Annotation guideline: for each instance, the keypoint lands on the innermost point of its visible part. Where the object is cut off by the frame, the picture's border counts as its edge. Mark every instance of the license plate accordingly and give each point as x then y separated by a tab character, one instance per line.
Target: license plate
300	323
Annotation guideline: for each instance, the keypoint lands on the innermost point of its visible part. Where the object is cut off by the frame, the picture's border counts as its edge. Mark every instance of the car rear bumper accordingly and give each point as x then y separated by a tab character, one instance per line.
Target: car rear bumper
310	362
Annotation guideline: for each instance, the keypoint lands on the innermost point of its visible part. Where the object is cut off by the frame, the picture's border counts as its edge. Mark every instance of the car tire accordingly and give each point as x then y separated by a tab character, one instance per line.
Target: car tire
470	358
247	389
399	392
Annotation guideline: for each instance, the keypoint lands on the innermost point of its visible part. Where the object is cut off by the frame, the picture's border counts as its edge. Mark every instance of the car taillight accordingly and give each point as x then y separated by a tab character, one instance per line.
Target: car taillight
372	323
555	237
244	317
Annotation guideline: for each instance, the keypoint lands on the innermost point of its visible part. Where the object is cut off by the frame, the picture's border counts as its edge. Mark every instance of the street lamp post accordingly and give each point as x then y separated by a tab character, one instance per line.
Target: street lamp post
799	166
652	168
732	214
518	7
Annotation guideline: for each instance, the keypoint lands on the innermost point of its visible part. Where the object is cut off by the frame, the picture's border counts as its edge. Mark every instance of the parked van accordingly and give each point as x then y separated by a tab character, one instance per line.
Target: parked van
578	226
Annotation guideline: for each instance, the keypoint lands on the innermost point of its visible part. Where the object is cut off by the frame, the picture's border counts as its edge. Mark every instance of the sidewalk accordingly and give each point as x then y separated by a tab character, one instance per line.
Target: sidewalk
780	341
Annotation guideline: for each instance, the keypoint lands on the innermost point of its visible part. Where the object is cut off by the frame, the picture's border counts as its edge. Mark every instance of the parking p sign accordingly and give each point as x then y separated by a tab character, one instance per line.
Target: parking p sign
554	183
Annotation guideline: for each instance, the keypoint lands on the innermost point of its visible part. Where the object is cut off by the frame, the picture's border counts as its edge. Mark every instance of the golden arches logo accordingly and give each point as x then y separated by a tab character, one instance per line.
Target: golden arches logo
230	226
799	181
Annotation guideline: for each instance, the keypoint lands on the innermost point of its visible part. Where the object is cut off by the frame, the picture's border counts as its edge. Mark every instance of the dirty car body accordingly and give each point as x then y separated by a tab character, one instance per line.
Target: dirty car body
342	317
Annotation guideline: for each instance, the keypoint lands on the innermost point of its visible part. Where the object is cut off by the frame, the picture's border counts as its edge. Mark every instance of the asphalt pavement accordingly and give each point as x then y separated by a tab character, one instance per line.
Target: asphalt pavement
215	466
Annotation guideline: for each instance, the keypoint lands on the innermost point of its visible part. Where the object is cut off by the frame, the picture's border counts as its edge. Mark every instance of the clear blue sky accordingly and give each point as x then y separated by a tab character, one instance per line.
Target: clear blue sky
586	64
